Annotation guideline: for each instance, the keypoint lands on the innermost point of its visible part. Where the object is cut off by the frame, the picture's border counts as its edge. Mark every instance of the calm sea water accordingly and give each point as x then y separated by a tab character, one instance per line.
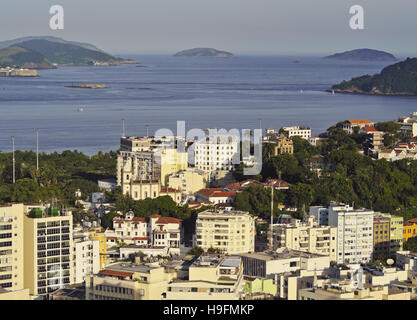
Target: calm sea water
206	93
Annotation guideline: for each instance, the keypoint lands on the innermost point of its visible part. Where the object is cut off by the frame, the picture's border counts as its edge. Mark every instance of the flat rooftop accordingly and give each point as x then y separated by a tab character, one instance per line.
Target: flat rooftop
126	267
284	254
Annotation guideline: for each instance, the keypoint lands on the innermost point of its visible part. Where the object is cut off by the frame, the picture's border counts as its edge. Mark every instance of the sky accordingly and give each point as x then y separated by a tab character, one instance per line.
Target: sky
271	27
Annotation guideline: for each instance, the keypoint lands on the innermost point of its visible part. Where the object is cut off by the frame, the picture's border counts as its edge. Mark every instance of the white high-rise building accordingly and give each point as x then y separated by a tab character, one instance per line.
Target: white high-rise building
86	257
297	131
216	153
354	230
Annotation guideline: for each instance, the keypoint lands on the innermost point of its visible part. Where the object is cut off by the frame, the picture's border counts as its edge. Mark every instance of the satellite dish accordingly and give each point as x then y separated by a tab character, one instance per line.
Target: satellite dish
390	262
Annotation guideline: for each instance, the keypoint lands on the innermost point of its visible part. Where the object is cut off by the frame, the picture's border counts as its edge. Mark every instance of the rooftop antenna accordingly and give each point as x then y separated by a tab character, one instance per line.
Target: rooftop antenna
14	161
260	124
147	130
123	128
37	149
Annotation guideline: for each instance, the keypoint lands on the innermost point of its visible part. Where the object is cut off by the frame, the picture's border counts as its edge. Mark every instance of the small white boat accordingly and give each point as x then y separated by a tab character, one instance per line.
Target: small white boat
80	109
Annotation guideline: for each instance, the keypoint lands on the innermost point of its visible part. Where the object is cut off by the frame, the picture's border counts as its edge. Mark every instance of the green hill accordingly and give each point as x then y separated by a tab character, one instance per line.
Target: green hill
67	54
16	56
363	55
8	43
397	79
204	52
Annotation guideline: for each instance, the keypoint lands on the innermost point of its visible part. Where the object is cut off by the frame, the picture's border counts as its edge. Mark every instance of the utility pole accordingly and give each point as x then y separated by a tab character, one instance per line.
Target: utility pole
37	149
123	128
271	244
14	161
147	130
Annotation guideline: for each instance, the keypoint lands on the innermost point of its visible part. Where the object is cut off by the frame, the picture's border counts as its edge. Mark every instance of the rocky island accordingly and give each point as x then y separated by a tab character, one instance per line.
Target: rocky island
363	55
399	79
204	52
88	86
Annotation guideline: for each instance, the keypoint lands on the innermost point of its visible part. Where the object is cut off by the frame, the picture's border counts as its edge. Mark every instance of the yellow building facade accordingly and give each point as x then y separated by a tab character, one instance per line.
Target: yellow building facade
98	234
11	247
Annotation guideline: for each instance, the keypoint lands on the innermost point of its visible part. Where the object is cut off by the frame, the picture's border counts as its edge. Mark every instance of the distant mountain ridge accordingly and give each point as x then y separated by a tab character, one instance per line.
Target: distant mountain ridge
204	52
399	79
363	55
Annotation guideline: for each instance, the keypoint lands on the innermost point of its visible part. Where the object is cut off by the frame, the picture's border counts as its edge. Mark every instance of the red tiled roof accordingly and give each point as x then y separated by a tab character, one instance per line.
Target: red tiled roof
412	220
369	129
139	219
359	121
154	216
216	192
116	273
140	238
165	220
278	183
111	238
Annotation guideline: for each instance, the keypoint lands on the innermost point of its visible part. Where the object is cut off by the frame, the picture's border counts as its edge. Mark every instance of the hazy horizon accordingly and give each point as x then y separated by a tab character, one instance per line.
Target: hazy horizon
291	27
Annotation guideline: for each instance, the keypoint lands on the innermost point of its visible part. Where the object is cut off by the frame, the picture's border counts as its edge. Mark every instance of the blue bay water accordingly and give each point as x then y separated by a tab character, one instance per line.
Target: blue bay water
204	92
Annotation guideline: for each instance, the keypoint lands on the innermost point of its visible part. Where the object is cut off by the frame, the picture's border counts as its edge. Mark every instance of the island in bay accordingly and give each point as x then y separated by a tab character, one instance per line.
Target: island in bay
363	55
204	52
399	79
50	52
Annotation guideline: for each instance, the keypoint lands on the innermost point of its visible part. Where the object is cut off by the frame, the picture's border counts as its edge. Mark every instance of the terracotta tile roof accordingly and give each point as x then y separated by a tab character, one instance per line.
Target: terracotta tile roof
278	183
154	216
359	121
166	220
412	221
116	273
369	129
216	192
111	238
141	238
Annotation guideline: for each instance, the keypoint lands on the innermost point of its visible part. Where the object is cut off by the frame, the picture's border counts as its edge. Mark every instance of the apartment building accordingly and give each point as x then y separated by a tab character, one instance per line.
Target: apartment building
407	261
382	238
342	290
409	231
216	153
127	281
188	181
297	131
149	159
408	125
98	234
155	231
232	232
396	232
269	263
86	259
48	250
354	230
211	277
307	236
11	247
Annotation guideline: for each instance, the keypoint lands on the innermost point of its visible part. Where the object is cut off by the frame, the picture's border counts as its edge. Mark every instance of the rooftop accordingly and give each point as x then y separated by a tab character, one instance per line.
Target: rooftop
280	255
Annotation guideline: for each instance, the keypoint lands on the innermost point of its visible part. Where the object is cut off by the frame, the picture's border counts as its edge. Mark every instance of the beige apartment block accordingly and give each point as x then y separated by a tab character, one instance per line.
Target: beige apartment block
232	232
148	158
127	281
211	277
11	247
189	181
307	236
48	251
